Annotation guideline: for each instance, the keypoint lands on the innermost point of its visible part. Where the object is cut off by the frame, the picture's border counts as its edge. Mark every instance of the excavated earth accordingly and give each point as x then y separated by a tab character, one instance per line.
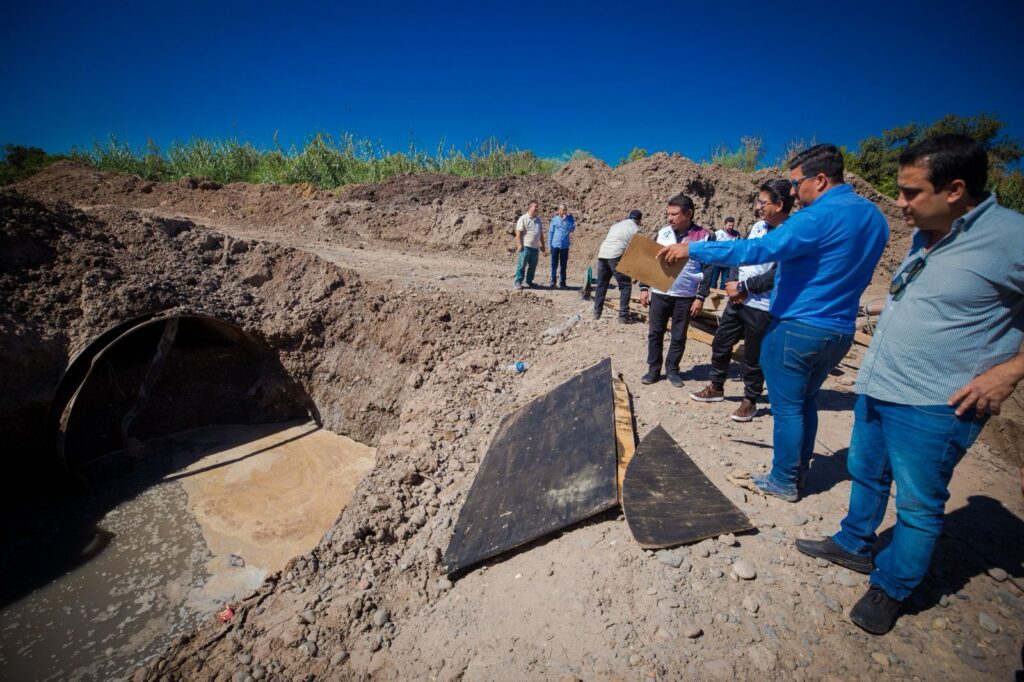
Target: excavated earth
389	308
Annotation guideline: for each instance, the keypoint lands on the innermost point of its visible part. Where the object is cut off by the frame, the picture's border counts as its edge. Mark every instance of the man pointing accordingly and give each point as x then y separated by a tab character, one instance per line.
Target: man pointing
826	256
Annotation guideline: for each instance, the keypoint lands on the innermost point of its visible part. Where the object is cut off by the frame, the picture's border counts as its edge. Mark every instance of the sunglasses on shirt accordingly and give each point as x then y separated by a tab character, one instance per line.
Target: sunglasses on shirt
907	275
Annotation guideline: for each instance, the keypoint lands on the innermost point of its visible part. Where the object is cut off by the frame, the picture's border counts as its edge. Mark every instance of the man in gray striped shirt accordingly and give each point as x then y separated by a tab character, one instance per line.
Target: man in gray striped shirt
946	353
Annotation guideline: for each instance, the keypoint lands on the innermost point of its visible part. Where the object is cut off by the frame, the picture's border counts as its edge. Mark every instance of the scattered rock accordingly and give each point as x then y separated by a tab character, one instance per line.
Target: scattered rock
998	574
381	617
762	658
236	561
800	520
880	658
339	657
692	631
729	540
744	569
988	623
664	635
751	604
444	584
670	558
848	579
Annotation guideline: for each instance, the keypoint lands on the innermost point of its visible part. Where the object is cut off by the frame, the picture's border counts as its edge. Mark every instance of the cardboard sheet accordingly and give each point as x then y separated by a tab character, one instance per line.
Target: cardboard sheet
639	262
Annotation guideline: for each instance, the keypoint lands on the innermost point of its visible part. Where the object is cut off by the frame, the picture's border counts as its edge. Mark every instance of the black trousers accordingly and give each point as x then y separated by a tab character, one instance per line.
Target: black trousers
605	271
663	309
740	322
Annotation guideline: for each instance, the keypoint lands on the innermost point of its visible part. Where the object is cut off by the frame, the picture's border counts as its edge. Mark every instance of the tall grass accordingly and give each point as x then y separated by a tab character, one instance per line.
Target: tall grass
323	161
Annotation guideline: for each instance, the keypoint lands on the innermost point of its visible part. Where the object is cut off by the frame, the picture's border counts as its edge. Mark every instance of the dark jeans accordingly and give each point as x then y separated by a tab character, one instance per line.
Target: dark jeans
917	447
559	257
663	309
740	322
719	276
796	359
605	271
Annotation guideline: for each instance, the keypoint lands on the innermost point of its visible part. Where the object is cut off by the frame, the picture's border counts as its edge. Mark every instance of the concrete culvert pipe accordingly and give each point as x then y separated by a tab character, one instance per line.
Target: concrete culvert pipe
157	375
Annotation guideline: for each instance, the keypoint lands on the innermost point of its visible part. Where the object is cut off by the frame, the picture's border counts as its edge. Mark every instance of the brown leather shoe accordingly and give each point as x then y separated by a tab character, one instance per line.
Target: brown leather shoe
708	394
745	412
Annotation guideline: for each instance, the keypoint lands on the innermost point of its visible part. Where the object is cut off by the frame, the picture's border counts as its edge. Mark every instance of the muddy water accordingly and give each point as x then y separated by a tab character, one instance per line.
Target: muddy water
199	522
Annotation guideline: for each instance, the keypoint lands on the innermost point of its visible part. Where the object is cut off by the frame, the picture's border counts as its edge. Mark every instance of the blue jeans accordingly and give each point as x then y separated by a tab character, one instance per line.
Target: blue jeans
559	257
526	264
719	276
796	358
917	446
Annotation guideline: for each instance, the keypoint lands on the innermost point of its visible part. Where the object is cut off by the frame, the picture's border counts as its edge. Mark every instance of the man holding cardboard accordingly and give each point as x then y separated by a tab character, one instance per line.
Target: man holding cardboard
681	301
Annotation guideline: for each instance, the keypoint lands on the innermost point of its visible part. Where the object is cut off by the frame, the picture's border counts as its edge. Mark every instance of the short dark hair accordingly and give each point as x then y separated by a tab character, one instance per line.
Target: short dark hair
778	190
821	158
730	219
682	201
950	157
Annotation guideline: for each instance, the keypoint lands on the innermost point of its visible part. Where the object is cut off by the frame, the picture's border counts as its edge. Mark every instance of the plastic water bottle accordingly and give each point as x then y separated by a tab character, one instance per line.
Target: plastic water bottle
517	367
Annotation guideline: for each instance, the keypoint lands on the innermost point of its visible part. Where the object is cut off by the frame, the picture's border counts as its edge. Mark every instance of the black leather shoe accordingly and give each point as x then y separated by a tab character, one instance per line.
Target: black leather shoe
830	551
676	379
650	377
876	612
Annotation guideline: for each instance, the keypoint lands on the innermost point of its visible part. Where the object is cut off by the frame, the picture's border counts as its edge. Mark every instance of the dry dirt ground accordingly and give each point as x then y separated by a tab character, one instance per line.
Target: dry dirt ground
390	307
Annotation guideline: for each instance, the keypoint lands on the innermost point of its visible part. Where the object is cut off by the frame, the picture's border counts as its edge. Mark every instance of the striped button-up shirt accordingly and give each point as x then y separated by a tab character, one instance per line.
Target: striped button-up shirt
962	314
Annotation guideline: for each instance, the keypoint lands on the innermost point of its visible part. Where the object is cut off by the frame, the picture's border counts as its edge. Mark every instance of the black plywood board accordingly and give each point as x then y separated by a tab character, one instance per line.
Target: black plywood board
552	463
667	499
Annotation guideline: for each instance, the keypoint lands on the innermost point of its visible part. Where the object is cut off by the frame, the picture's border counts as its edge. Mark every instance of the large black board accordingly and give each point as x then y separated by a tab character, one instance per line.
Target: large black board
669	501
551	464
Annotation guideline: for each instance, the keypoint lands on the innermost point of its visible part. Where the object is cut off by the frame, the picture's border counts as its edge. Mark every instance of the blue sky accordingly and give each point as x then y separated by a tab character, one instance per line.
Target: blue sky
552	77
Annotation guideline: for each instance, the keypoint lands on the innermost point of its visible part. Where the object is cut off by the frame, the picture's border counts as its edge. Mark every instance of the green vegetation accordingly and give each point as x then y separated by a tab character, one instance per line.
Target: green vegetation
330	162
18	163
323	161
876	159
635	154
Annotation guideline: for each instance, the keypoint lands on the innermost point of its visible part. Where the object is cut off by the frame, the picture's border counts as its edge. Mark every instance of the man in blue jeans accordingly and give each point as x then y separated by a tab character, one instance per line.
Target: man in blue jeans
946	353
826	255
559	229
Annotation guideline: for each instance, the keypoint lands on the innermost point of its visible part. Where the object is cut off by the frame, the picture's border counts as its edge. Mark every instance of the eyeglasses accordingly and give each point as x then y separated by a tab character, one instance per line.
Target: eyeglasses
906	276
761	203
796	183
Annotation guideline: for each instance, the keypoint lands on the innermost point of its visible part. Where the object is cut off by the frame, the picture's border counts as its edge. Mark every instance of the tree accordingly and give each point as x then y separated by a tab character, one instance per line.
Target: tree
746	157
18	162
634	155
877	158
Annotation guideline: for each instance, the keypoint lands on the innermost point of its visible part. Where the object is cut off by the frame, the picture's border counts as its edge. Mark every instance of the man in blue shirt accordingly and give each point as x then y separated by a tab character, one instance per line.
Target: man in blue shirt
826	255
561	226
946	353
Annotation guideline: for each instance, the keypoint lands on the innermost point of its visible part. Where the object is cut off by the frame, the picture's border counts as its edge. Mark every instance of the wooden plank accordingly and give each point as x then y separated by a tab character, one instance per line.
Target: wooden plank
639	262
552	463
699	335
862	338
667	499
625	436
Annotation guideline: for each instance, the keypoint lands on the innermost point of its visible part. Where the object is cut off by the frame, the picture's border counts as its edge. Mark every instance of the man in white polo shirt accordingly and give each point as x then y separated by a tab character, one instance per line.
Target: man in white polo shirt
680	301
529	239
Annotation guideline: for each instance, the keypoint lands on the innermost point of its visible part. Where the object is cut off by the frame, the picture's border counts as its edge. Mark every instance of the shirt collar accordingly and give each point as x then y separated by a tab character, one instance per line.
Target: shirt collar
964	222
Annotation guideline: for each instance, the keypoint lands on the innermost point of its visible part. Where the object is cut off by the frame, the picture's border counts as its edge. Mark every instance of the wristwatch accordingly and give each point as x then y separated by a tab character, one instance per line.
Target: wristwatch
741	288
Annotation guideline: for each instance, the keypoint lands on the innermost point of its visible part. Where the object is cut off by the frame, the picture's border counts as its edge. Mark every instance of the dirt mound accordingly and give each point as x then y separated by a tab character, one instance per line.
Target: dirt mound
423	211
68	275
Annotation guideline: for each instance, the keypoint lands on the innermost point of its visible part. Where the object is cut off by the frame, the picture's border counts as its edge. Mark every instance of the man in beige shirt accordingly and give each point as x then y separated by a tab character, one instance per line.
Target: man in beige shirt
529	239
